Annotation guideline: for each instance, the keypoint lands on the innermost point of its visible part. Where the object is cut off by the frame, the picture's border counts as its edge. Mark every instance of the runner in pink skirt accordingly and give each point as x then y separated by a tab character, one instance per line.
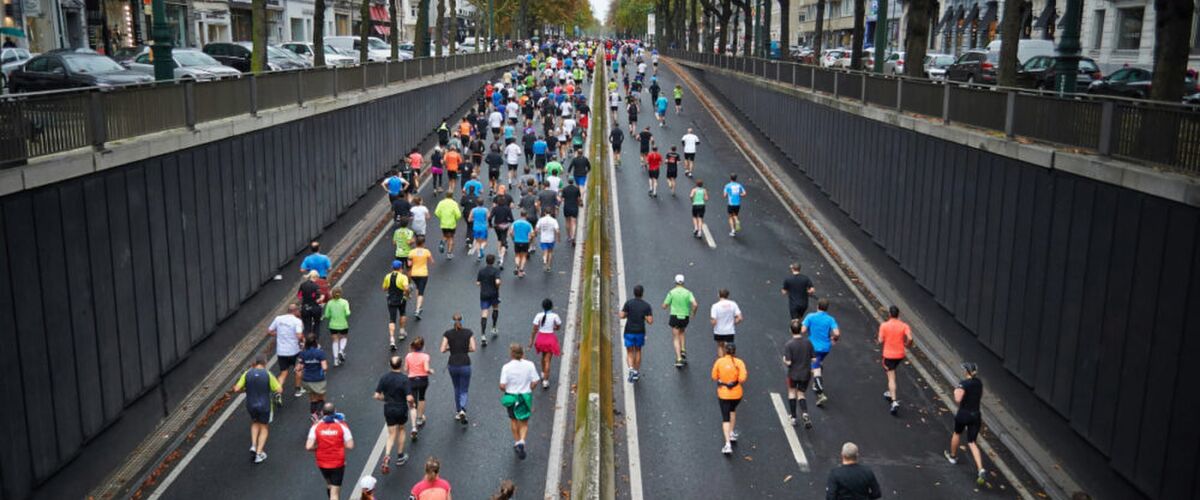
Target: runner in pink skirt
544	338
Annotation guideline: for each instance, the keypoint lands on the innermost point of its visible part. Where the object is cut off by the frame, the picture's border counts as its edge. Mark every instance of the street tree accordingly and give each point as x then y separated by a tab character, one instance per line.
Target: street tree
258	36
917	35
1010	37
319	33
856	51
1172	30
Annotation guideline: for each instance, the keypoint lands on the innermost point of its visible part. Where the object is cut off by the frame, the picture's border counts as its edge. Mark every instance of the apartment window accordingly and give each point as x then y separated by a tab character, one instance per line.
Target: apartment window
1097	29
1196	32
1129	28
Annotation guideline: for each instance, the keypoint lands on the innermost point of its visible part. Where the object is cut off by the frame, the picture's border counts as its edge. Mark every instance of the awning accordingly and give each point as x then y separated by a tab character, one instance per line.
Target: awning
381	21
945	20
989	16
1047	16
972	15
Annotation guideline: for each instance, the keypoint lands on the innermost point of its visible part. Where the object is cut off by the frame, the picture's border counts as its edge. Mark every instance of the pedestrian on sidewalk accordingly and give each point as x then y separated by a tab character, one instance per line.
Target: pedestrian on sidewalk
797	288
460	343
968	419
699	197
311	367
260	387
724	316
544	338
393	390
730	373
329	438
416	362
638	315
288	331
518	377
396	285
337	313
797	359
681	305
822	331
851	481
311	298
893	336
488	281
432	486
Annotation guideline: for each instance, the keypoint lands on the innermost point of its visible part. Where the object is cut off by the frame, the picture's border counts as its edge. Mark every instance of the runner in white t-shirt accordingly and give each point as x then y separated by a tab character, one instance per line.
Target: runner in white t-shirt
689	151
517	379
420	216
544	338
512	158
288	331
724	315
547	229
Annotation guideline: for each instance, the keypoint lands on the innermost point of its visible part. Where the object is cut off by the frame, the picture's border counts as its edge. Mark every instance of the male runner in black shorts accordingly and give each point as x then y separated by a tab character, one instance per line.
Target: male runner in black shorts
672	160
393	390
797	357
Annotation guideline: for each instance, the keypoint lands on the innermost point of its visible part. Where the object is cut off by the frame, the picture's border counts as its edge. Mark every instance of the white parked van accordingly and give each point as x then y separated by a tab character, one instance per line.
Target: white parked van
377	49
1027	49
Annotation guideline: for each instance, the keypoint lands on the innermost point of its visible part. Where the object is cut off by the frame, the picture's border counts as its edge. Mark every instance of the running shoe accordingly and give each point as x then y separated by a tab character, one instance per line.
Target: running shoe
342	357
545	384
732	234
727	449
483	340
807	421
442	246
520	449
464	417
260	458
737	224
337	361
278	399
981	477
887	395
678	362
895	409
494	332
949	458
392	346
733	436
384	466
637	375
403	335
683	354
253	454
792	420
421	422
821	399
450	256
299	392
401	459
630	378
417	315
413	435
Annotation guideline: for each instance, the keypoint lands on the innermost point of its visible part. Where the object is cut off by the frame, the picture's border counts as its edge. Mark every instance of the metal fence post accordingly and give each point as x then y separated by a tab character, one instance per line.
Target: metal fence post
794	68
363	73
946	103
189	104
253	83
863	91
1010	108
812	78
386	70
1107	112
835	84
899	94
300	88
335	81
98	133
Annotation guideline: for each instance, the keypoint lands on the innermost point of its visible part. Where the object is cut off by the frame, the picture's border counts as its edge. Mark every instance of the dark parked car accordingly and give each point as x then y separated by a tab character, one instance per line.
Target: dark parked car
71	68
237	55
1135	83
975	66
1039	73
126	55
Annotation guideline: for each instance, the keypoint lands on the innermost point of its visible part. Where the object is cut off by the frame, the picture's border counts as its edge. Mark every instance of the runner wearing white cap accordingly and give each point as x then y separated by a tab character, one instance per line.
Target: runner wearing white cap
681	305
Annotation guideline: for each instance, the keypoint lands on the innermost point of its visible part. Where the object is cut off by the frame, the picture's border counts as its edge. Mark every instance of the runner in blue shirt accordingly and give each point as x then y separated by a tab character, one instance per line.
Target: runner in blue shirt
521	232
498	98
316	261
473	187
660	110
394	184
733	194
822	331
311	366
539	153
478	217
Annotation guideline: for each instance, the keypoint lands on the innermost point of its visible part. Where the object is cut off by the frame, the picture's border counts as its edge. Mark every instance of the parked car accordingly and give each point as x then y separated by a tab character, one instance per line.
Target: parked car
377	49
71	68
1135	83
333	56
830	57
237	56
1027	49
894	64
296	58
1192	99
126	55
1039	73
936	64
974	66
190	64
11	58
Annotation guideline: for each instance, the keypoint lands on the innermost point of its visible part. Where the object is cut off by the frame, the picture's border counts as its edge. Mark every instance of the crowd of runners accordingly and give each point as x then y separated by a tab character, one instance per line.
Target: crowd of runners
508	179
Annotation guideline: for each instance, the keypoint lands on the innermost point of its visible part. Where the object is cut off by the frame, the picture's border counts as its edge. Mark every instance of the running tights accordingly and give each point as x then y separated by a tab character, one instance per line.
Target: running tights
819	384
460	376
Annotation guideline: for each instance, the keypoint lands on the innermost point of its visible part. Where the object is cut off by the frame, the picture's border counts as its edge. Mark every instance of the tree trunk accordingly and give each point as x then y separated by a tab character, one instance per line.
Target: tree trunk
258	36
1010	35
440	33
680	17
736	25
918	31
393	33
318	33
785	27
1172	26
748	24
523	30
856	50
819	36
453	26
723	21
364	30
766	28
421	37
693	43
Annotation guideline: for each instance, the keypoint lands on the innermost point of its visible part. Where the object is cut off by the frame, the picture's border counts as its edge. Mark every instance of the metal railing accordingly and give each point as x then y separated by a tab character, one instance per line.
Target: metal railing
43	123
1137	130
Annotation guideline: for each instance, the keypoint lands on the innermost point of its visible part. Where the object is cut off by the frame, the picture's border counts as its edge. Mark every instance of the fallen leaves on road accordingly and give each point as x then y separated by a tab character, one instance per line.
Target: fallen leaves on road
788	478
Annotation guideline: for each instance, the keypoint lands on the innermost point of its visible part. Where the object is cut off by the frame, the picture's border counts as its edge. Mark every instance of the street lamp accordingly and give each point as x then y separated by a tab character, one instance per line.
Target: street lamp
164	64
1066	68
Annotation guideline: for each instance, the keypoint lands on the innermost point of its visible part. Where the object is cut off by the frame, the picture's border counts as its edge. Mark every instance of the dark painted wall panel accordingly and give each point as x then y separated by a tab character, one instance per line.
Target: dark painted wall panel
1081	288
113	278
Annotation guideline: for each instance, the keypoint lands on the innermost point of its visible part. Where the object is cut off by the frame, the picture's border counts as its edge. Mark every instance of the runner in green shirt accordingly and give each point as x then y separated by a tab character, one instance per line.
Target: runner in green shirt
448	213
554	168
682	305
699	197
678	94
337	312
403	238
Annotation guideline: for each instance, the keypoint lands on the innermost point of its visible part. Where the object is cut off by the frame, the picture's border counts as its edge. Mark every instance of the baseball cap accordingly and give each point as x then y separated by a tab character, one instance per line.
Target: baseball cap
396	264
679	279
367	483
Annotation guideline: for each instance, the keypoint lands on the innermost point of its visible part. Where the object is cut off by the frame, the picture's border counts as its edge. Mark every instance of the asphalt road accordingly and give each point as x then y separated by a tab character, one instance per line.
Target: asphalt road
678	421
474	458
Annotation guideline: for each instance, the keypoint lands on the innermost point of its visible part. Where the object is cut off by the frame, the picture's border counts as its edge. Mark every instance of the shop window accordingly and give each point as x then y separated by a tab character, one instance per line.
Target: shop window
1129	28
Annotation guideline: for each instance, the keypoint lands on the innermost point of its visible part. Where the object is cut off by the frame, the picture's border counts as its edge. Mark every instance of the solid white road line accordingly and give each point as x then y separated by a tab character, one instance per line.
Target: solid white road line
558	429
372	462
708	236
790	432
630	401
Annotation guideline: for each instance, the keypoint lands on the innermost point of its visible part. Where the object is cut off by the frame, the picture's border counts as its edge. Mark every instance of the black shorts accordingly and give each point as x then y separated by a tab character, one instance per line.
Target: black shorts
891	364
644	150
395	311
521	247
678	323
493	174
417	387
452	174
512	166
448	232
728	406
539	161
799	385
698	211
495	133
723	338
395	414
653	173
689	156
286	363
968	421
632	118
420	281
733	209
672	171
502	235
678	101
797	312
616	148
571	212
333	477
339	332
